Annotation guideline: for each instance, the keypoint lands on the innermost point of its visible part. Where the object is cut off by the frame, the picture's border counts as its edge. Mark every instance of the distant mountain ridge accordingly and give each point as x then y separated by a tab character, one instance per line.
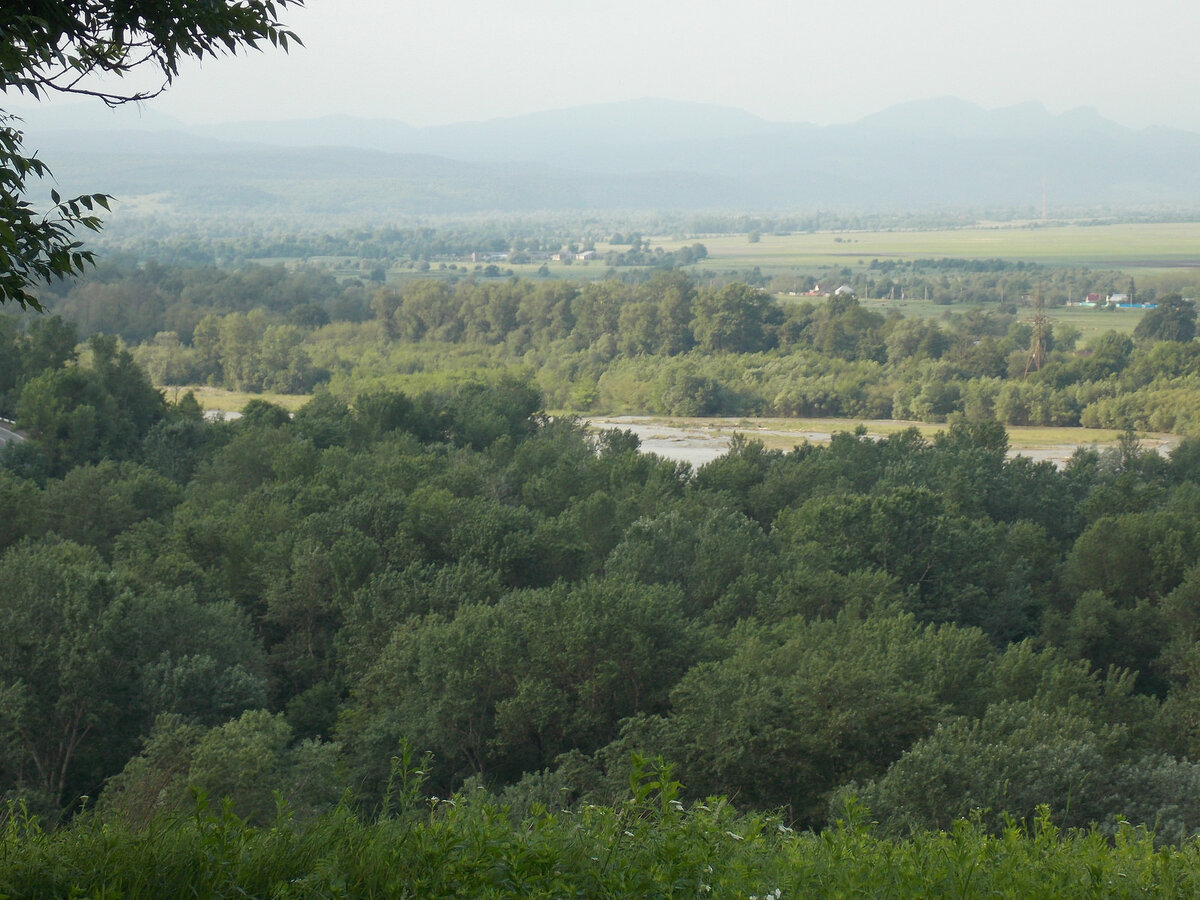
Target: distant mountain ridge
941	153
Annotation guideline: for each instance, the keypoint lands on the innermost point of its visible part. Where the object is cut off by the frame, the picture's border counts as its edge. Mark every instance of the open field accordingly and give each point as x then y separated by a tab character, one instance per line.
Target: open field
1091	322
1170	250
1132	247
211	398
700	440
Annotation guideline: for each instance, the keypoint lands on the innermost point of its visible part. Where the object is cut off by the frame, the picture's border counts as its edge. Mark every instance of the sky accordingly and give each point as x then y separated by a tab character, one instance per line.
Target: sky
822	61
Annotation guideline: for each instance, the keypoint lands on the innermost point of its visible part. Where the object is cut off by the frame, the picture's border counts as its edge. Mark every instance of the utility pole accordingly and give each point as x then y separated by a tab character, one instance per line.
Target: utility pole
1037	344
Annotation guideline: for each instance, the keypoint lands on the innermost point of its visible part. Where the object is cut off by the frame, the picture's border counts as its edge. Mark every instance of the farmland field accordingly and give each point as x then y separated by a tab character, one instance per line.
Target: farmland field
1090	322
1167	252
1133	247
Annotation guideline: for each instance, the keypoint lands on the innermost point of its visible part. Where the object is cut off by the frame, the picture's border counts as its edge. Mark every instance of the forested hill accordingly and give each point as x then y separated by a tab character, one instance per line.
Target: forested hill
276	607
648	154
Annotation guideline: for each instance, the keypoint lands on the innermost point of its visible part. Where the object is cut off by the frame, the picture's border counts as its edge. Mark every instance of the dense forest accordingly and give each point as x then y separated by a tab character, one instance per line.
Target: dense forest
272	608
659	344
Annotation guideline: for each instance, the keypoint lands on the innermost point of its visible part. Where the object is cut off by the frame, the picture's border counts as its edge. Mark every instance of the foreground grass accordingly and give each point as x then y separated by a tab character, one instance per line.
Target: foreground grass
653	846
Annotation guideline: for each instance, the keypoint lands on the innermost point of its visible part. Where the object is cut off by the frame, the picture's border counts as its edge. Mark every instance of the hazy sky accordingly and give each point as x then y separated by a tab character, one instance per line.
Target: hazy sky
822	61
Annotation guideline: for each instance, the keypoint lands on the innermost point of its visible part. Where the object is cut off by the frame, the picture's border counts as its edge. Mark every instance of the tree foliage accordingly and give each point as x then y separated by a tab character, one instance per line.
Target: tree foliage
1172	319
64	46
285	601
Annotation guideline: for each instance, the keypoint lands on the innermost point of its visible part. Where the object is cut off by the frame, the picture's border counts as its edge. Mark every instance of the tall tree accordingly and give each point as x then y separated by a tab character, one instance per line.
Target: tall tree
733	319
1174	319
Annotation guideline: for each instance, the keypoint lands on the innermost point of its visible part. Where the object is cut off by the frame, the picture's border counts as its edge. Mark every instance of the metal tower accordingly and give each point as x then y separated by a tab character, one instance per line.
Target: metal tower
1037	344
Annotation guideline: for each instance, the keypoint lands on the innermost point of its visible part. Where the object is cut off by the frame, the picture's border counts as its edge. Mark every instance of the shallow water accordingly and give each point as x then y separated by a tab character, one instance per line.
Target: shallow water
697	445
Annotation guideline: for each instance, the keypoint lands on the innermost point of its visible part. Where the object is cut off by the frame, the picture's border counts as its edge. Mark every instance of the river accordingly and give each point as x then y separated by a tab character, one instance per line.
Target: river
701	441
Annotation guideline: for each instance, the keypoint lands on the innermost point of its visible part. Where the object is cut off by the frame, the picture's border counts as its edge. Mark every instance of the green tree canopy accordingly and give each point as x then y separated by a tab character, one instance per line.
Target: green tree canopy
1174	319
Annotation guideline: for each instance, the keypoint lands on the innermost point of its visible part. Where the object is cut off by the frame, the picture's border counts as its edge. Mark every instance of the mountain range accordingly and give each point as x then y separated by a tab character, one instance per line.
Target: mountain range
939	154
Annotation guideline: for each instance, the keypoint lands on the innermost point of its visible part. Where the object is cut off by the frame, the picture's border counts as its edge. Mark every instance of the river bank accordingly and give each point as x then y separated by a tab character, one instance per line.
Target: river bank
701	440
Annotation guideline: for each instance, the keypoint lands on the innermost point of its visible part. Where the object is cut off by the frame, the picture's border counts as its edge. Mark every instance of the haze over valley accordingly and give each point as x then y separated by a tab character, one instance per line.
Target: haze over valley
943	154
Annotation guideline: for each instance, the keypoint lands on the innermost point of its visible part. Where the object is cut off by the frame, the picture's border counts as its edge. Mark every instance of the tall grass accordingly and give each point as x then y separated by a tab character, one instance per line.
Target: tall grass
650	846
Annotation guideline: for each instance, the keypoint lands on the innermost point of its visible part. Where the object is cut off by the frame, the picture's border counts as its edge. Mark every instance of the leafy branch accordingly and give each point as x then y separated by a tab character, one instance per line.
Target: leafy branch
60	46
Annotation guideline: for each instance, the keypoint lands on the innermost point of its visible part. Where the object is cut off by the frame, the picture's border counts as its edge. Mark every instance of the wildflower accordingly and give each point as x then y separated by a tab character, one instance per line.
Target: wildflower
783	829
736	837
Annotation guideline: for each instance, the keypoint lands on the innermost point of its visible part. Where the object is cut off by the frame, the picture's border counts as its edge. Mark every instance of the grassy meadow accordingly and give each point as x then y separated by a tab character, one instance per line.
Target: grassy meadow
221	400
